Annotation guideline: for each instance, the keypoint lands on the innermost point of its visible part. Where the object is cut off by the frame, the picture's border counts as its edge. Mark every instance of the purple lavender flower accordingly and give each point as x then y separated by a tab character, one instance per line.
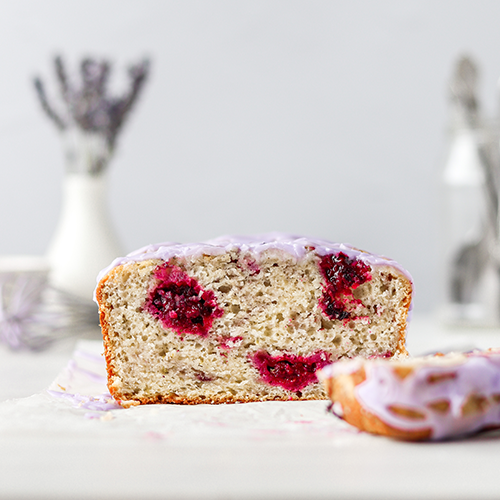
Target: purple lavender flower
91	119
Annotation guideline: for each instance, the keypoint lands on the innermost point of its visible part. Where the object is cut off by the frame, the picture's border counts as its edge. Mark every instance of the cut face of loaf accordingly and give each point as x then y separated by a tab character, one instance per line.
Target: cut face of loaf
237	323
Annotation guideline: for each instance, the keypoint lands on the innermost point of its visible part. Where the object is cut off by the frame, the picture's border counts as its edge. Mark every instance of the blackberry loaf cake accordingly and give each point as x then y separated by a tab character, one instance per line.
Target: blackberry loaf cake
427	398
240	319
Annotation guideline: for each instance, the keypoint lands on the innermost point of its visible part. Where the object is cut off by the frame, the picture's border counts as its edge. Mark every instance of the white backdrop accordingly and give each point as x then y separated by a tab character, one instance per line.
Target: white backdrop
325	118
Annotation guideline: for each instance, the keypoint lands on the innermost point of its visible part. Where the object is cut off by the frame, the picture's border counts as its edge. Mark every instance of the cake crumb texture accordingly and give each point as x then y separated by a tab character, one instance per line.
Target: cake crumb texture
240	326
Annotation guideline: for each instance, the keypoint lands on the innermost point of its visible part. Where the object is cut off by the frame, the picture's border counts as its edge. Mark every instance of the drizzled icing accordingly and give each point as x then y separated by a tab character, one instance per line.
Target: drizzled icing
453	395
295	246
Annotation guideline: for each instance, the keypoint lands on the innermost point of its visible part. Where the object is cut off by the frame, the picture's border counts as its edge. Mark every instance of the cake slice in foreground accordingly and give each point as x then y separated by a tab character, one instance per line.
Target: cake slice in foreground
241	319
414	399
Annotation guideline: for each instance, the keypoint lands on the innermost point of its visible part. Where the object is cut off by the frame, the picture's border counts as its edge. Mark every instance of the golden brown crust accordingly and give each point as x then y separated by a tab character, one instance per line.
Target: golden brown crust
403	322
125	400
103	314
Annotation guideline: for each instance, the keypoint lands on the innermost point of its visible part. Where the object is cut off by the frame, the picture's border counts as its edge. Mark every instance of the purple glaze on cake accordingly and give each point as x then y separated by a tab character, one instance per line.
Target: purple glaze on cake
295	246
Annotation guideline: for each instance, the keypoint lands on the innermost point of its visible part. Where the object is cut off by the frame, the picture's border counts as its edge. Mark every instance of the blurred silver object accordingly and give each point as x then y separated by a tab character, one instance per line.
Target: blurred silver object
471	197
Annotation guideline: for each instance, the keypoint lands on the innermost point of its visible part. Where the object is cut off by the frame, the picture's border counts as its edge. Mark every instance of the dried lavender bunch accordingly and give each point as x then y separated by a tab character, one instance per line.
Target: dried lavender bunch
91	119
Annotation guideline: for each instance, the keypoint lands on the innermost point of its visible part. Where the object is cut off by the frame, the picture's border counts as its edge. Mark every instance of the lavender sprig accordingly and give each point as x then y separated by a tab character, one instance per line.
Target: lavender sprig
62	79
42	97
87	105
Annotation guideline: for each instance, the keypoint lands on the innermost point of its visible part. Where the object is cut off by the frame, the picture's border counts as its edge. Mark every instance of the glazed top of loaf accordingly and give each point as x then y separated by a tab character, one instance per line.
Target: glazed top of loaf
296	246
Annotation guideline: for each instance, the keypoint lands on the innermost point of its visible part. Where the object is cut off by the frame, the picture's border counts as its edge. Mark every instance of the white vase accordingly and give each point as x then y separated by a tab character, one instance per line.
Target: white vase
85	241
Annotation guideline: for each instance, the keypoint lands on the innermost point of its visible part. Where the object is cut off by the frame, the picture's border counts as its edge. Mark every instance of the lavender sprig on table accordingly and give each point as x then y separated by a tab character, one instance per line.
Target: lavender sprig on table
90	119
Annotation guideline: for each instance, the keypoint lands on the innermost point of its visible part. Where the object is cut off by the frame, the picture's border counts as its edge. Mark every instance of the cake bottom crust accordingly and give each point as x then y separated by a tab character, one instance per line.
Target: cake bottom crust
125	400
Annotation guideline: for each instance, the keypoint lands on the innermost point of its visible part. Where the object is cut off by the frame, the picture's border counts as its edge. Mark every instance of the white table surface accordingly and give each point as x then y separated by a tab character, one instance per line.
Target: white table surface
49	449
